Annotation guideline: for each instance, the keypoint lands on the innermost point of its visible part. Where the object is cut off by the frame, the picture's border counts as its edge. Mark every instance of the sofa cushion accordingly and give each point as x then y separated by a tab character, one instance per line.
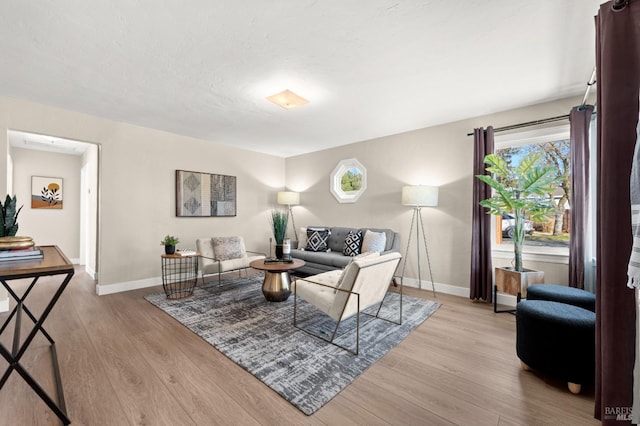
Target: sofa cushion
334	260
352	243
317	239
302	242
374	241
388	232
225	248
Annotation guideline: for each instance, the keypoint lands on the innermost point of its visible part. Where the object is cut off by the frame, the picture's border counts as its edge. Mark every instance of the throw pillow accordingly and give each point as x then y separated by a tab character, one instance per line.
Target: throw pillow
352	243
225	248
374	241
302	243
318	239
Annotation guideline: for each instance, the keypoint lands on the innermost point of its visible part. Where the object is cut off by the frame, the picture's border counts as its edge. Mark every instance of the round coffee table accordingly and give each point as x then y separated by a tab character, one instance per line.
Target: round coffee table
277	283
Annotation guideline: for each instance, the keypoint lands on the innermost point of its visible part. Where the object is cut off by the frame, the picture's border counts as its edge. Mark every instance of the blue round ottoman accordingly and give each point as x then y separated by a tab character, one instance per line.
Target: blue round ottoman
562	294
557	339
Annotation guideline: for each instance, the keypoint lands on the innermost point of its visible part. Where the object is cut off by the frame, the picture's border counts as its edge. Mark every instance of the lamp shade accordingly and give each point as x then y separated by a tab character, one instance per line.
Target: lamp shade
289	198
420	195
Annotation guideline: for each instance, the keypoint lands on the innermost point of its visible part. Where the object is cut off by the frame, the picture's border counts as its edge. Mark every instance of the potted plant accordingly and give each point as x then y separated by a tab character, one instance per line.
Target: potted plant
521	191
9	217
279	220
169	243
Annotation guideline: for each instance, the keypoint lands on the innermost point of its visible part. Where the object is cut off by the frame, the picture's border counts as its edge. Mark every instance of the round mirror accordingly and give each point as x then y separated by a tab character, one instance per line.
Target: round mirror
348	181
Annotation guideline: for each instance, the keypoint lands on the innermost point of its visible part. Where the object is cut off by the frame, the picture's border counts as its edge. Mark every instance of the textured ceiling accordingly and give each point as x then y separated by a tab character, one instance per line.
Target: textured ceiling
370	68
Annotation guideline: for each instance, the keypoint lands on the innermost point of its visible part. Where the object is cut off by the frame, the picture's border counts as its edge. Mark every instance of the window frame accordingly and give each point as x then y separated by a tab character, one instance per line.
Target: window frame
530	253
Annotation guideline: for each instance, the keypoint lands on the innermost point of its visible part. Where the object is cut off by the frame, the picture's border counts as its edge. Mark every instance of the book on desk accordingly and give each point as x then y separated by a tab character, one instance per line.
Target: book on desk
31	253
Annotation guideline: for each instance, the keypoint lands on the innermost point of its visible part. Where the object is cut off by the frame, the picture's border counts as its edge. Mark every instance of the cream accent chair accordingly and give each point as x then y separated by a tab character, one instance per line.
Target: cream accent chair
343	293
223	254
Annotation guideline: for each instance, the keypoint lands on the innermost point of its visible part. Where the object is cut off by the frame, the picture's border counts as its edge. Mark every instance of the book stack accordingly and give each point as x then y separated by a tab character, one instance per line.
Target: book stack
18	248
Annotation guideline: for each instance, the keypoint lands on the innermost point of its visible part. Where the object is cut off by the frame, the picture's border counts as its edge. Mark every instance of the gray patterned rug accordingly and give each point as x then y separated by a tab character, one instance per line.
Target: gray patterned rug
260	337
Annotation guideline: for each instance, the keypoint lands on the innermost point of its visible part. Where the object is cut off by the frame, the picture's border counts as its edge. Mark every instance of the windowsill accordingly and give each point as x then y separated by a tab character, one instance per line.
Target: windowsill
533	253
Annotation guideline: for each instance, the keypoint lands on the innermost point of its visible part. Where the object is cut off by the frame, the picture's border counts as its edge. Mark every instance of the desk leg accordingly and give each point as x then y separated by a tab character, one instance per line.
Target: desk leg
18	350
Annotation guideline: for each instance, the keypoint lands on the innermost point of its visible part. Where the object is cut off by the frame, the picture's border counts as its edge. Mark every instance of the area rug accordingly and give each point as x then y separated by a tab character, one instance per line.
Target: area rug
259	336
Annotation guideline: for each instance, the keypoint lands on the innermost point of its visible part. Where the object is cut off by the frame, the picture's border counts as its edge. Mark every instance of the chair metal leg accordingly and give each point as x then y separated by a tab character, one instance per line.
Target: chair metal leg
333	336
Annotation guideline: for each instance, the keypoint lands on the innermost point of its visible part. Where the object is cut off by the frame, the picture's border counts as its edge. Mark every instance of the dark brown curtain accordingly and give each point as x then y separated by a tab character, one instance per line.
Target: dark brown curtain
580	119
618	74
481	274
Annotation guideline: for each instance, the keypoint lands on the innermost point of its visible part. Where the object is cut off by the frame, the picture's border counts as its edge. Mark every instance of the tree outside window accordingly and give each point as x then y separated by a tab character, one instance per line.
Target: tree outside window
556	230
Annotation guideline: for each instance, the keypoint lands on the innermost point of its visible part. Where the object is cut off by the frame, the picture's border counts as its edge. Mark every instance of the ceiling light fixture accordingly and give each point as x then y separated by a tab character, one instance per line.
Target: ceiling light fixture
287	99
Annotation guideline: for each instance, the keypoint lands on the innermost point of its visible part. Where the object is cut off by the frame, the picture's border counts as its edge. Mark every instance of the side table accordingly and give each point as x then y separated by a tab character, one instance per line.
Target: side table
54	262
276	286
179	274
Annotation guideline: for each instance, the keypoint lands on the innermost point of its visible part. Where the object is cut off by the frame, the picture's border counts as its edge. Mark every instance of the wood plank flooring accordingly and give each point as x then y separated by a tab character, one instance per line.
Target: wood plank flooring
125	362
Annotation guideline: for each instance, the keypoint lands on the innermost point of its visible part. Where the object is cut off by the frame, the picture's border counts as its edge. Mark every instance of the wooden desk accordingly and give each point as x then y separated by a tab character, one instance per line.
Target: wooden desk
54	262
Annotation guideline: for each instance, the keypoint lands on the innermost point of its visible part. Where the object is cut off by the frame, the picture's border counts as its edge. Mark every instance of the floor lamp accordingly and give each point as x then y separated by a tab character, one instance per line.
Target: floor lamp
419	196
289	199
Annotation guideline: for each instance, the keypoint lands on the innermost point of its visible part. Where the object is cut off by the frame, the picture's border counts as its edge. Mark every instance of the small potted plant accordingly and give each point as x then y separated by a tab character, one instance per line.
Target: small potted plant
9	217
279	220
169	243
521	191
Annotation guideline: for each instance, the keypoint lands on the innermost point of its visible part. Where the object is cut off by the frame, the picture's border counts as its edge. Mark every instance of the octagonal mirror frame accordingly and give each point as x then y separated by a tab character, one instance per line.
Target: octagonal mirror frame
348	181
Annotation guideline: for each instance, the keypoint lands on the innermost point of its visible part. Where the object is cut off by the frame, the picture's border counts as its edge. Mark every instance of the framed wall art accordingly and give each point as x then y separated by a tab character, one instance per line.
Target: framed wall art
205	194
46	192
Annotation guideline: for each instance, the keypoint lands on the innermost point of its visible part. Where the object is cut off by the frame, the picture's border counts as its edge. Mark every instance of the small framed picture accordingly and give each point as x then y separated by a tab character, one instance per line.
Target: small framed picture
46	192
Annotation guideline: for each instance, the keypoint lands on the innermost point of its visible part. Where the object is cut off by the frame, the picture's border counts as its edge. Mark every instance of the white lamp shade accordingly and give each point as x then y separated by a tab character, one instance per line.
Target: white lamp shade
289	198
420	195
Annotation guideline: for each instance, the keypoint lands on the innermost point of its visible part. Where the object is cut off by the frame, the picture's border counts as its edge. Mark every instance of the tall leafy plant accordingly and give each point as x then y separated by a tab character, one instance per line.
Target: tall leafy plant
520	190
9	217
279	220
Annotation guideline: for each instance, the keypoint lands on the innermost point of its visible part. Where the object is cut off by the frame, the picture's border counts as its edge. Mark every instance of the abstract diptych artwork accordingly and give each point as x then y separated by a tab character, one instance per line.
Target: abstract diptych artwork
205	194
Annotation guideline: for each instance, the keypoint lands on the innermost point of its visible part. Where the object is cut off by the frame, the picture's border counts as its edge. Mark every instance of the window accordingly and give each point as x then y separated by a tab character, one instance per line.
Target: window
348	181
551	236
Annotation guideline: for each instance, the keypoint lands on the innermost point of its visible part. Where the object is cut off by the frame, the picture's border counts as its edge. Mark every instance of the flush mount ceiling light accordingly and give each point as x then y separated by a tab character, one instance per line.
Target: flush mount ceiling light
287	99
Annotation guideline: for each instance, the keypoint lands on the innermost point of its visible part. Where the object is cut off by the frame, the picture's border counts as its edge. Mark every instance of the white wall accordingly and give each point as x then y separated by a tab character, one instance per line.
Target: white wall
440	155
137	187
49	226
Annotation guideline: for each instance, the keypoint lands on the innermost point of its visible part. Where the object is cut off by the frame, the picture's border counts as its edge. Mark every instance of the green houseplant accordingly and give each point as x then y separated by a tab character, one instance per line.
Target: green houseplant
169	243
279	220
520	190
9	217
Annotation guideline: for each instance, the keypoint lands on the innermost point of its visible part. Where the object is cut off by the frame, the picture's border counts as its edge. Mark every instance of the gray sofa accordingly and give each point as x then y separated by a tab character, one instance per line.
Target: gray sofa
318	262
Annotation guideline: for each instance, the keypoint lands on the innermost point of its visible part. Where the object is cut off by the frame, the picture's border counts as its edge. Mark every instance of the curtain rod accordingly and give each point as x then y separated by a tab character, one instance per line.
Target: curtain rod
590	83
619	4
529	123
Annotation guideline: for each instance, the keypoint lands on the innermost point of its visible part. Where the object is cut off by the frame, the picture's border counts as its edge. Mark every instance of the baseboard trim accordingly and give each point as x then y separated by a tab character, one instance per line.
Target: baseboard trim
102	290
454	290
91	272
439	287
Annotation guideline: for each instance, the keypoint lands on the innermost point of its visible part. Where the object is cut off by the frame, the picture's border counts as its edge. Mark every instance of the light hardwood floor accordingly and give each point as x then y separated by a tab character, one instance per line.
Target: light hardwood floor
125	362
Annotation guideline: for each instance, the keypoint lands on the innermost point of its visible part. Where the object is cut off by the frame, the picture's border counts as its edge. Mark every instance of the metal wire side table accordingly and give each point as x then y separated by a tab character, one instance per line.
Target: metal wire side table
179	274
